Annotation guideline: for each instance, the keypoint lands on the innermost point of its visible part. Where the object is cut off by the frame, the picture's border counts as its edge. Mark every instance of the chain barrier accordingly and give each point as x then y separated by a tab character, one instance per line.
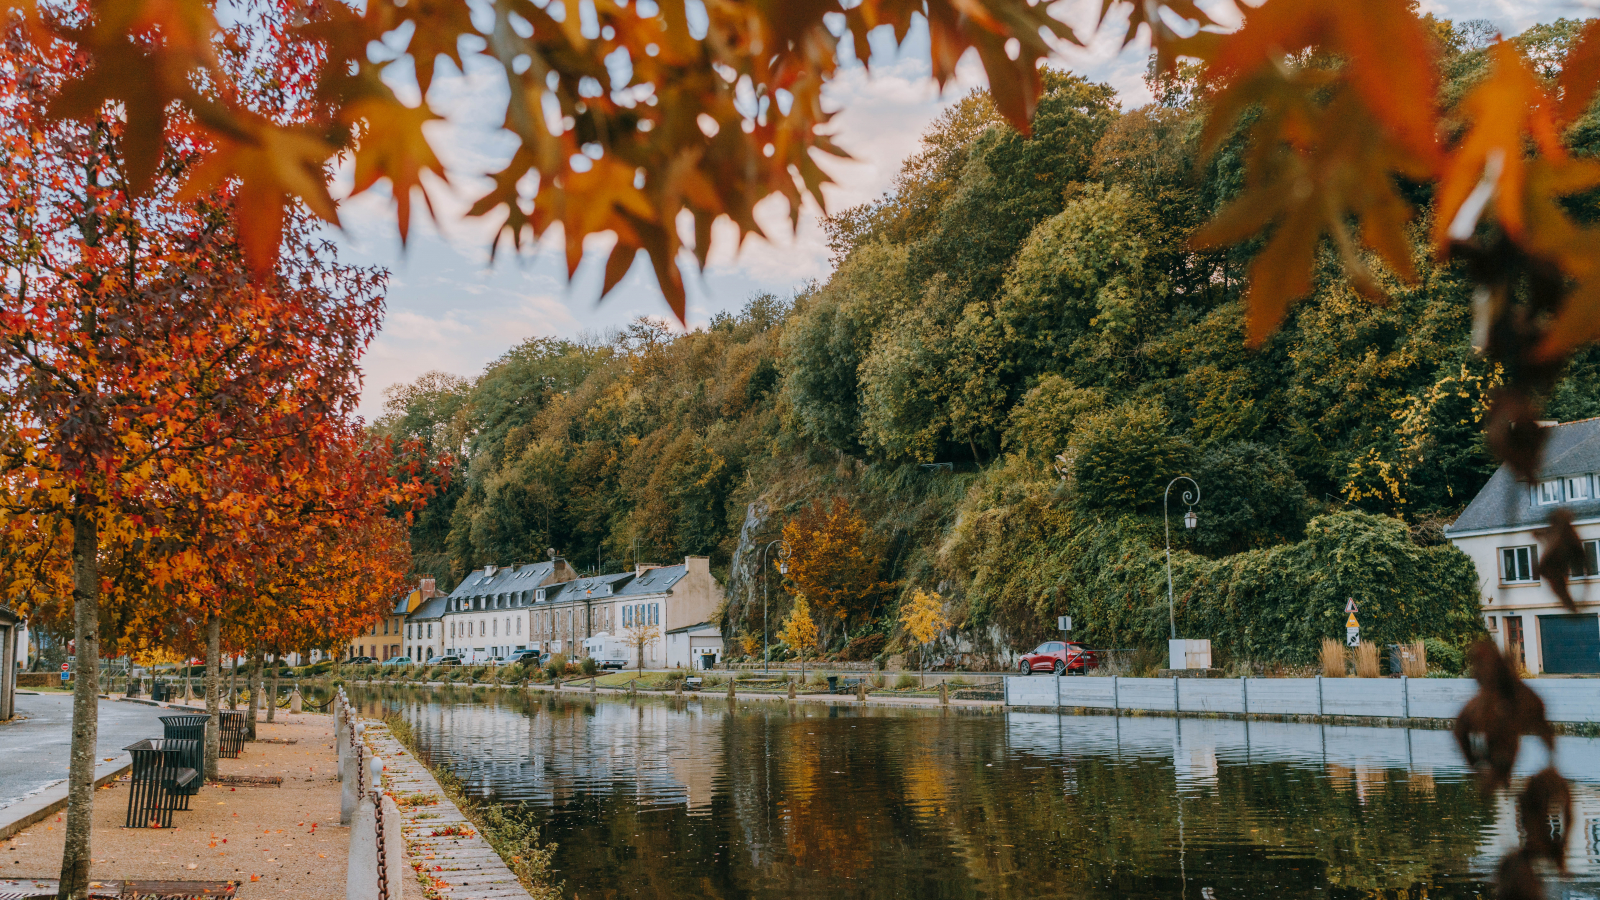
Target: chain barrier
375	794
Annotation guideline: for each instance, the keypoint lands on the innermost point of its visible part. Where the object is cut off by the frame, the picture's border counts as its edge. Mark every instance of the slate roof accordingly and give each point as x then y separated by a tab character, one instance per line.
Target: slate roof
431	609
1505	503
656	581
592	585
515	582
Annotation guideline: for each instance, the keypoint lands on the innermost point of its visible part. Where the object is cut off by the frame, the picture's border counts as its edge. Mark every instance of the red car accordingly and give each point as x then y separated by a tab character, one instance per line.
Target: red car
1058	657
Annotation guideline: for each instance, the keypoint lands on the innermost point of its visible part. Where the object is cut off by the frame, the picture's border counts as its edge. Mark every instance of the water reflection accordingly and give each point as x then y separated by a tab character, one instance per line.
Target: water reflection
662	798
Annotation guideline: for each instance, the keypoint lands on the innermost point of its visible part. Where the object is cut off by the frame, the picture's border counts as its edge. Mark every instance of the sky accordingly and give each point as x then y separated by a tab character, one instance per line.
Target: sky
454	308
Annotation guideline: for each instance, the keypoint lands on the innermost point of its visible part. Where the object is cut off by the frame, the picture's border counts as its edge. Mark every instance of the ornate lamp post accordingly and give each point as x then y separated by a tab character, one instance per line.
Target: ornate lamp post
783	569
1190	520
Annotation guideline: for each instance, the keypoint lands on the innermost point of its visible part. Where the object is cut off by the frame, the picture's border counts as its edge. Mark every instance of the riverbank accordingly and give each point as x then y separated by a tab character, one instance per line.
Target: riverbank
280	841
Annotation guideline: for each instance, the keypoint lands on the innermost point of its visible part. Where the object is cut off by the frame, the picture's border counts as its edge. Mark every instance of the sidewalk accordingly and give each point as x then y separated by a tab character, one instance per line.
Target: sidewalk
286	838
36	749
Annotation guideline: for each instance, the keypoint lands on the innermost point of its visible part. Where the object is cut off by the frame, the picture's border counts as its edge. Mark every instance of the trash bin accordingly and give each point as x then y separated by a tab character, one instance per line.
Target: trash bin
833	684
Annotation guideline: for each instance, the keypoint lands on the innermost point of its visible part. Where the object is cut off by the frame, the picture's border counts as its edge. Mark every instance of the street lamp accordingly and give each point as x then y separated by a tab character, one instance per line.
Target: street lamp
1190	520
783	569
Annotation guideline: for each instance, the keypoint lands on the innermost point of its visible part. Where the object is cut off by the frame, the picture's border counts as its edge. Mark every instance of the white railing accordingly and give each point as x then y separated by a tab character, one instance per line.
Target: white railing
1566	700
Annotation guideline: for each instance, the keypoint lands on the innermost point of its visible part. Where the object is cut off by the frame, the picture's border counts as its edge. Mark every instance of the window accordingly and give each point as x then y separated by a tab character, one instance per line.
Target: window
1588	566
1491	623
655	614
430	629
627	616
1578	488
1516	565
1549	492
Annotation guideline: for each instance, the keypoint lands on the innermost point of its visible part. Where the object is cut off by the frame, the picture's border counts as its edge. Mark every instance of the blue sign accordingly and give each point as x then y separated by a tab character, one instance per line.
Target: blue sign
65	674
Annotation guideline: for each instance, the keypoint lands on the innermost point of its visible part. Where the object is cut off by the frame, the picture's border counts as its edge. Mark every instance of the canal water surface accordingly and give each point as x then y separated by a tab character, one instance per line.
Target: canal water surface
707	799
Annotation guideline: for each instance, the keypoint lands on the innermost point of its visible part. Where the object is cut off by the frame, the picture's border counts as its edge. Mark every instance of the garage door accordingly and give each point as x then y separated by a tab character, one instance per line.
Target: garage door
1570	644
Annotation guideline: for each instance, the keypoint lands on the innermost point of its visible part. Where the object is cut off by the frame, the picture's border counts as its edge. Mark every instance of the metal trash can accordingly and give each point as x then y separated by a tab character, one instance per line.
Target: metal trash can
833	684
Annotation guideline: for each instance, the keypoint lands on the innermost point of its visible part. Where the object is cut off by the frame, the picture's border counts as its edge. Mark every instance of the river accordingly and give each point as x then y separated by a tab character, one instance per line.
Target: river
706	799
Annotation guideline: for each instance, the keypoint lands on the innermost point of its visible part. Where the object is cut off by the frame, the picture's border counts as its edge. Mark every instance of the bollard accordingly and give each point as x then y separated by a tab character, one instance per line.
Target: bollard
556	682
944	694
394	848
349	797
361	876
296	702
730	688
591	684
861	690
791	689
679	689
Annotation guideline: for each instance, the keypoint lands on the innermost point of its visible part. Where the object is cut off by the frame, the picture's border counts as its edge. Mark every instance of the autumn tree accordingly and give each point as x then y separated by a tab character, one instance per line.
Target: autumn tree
835	561
799	632
641	637
146	360
923	619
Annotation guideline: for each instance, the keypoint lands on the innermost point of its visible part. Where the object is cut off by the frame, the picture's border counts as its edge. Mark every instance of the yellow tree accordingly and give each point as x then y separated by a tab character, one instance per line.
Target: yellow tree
834	561
923	619
799	631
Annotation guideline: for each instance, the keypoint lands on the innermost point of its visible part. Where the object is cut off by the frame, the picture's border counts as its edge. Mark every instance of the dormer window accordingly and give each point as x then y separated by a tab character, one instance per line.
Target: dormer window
539	596
1578	488
1549	492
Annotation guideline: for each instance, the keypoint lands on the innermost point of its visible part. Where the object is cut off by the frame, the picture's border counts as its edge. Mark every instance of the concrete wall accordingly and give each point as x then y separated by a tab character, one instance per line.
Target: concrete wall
1566	700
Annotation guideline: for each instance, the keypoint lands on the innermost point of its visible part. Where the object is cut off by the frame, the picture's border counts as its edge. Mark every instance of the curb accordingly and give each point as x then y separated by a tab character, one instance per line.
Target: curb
32	810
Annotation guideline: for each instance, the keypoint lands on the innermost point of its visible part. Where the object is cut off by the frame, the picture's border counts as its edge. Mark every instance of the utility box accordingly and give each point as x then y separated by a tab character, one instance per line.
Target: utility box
1188	654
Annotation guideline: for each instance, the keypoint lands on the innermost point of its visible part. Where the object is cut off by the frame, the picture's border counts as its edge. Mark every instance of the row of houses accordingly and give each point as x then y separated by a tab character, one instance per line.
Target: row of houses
499	610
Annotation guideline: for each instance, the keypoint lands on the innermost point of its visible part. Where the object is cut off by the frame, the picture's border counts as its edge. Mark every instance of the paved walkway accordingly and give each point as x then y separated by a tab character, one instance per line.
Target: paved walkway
37	749
442	846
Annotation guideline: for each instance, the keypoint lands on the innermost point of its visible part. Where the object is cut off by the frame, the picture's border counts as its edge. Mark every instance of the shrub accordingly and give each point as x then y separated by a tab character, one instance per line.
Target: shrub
1442	657
864	647
556	666
588	666
476	673
905	682
512	672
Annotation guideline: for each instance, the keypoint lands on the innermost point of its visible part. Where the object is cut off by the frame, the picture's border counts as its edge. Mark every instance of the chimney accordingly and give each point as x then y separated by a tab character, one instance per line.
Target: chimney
641	568
427	588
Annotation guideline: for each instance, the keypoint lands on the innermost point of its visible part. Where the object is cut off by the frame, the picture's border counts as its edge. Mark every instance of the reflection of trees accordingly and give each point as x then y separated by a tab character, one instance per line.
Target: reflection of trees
884	803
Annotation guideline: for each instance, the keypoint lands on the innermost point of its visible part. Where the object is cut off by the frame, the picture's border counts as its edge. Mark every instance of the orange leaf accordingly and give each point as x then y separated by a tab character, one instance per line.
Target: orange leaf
1580	74
394	147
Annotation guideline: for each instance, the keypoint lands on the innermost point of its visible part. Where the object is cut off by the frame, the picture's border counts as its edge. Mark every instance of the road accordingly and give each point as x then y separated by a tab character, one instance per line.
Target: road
36	749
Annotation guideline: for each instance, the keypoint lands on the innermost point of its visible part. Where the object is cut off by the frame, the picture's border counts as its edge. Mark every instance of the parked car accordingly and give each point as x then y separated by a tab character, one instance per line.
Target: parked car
398	661
527	657
360	661
608	652
1059	657
444	661
494	661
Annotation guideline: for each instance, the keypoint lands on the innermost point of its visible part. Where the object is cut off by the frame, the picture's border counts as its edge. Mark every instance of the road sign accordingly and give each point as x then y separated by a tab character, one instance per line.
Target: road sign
1064	623
1352	637
65	675
66	666
1351	622
1350	605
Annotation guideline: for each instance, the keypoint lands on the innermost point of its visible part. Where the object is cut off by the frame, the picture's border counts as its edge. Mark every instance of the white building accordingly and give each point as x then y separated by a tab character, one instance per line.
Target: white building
488	614
694	646
1498	531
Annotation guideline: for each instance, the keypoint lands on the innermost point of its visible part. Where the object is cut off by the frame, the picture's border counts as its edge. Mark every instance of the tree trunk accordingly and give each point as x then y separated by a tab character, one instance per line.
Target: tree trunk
213	689
272	701
85	705
254	681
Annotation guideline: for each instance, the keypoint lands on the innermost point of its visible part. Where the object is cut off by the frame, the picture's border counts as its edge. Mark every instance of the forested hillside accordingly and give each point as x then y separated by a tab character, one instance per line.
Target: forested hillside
1016	352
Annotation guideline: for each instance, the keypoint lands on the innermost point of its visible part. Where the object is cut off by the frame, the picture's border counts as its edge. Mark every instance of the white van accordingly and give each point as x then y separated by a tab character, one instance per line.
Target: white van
608	652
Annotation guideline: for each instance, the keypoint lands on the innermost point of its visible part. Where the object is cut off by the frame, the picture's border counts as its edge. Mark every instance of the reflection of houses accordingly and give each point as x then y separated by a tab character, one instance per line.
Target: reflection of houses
1498	531
495	612
554	753
1583	846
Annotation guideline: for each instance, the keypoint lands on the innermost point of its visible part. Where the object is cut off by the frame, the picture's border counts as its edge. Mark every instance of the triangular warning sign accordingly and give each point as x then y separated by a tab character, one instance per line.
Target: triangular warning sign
1351	622
1350	605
